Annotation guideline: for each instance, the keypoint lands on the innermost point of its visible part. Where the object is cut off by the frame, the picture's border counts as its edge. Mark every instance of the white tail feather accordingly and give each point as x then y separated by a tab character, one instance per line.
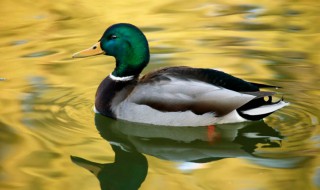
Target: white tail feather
265	109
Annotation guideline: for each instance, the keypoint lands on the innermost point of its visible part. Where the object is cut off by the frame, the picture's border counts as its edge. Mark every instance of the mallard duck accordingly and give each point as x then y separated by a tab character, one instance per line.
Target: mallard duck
172	96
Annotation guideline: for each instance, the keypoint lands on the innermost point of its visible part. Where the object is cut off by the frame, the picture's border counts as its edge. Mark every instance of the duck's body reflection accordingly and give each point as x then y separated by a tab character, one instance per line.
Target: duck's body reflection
185	144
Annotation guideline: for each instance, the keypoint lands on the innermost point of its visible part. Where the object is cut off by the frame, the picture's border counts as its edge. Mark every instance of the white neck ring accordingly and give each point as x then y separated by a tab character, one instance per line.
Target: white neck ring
115	78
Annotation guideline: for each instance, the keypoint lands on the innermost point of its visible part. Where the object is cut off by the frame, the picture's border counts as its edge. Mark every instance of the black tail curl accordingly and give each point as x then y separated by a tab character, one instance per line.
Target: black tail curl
255	103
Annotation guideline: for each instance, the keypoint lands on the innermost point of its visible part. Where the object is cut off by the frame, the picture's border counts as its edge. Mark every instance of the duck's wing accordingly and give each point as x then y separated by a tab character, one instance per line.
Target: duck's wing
259	85
210	76
169	93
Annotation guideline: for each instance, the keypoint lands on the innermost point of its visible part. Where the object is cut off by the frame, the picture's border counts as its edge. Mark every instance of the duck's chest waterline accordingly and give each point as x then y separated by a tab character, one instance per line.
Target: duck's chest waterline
111	92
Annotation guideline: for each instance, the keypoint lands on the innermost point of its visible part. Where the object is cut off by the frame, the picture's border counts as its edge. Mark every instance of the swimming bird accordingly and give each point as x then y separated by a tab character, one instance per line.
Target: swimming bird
171	96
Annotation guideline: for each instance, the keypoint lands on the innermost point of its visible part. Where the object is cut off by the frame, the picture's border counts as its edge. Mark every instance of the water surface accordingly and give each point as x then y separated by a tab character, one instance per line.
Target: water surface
46	97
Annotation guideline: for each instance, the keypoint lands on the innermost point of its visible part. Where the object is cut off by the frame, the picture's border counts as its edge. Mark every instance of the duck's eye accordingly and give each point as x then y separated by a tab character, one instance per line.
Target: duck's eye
113	37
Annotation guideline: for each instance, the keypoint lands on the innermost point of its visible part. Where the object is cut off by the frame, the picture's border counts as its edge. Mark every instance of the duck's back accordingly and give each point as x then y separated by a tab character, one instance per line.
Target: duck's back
210	76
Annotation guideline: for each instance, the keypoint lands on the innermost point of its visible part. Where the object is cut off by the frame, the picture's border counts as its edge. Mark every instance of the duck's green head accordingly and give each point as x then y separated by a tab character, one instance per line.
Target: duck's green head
127	44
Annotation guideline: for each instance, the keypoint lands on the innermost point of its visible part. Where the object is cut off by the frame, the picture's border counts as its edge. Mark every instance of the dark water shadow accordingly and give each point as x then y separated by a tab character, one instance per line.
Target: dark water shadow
132	141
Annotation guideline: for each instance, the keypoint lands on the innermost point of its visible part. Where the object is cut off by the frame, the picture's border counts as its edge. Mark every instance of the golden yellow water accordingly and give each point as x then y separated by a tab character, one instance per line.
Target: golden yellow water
46	97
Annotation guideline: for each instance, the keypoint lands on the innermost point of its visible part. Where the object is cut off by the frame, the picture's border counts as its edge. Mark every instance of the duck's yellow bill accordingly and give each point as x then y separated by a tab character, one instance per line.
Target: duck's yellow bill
94	50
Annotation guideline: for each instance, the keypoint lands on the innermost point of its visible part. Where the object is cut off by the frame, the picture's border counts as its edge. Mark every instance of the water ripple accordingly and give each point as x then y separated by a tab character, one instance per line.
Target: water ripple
39	54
